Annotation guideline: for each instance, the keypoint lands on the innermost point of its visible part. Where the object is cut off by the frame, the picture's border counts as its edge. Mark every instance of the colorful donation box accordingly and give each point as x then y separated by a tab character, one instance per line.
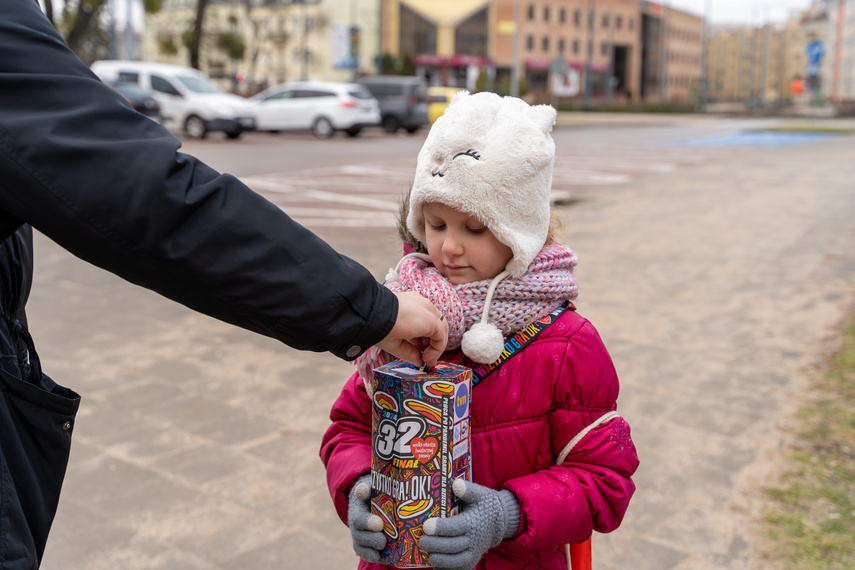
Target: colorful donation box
420	437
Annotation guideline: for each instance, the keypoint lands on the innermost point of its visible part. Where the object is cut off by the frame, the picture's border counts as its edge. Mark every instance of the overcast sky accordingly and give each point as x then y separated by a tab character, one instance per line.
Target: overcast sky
748	12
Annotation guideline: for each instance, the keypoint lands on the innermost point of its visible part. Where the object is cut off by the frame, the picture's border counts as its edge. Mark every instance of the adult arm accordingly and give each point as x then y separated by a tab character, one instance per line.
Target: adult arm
109	185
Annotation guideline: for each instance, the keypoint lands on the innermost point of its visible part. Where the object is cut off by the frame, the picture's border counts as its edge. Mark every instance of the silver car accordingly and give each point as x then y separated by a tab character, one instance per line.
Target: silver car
320	106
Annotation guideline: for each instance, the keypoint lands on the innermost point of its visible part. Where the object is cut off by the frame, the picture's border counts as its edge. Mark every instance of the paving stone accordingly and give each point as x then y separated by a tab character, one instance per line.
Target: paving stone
716	278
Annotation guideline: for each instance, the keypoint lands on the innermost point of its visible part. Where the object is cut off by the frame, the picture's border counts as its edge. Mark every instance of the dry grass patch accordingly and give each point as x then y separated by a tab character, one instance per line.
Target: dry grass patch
811	521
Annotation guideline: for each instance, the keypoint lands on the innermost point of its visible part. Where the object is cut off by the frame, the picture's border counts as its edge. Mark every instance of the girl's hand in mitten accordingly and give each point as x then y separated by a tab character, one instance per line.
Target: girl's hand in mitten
365	529
486	519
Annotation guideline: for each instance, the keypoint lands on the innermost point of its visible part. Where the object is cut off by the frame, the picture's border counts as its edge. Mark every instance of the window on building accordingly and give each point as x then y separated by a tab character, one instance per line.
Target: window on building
546	13
604	48
529	43
560	45
631	23
562	15
545	43
618	21
605	20
577	17
576	46
531	12
417	34
470	37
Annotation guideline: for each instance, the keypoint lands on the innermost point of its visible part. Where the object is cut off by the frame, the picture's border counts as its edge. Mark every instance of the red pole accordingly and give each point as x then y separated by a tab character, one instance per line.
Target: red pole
580	555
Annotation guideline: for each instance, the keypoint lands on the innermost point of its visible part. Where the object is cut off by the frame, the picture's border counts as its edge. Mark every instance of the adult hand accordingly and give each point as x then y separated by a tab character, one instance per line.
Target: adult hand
487	518
366	529
419	336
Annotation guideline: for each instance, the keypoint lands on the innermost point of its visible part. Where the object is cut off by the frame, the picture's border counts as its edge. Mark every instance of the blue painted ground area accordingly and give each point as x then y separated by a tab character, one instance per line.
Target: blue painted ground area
752	138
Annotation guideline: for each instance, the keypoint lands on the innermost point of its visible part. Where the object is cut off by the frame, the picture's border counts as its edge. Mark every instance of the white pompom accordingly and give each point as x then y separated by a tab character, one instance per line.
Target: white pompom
391	276
483	343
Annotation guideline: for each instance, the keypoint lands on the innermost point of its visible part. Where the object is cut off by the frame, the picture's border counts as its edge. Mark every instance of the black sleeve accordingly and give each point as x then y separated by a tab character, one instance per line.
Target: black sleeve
109	185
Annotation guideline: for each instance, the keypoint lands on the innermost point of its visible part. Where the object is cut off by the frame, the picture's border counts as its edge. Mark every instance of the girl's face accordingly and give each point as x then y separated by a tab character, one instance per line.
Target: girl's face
461	247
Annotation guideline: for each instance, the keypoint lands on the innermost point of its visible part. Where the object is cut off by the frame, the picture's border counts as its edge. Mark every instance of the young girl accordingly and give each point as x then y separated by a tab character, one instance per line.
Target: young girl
551	459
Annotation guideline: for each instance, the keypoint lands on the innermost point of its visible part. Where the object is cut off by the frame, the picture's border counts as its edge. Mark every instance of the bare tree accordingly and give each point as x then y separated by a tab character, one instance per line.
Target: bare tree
197	33
85	32
82	19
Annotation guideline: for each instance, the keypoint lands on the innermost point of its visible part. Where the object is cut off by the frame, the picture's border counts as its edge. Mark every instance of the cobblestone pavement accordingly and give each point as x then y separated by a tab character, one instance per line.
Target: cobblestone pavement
716	277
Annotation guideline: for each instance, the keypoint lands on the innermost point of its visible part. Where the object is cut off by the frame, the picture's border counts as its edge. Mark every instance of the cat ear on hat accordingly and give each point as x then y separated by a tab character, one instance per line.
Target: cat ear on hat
458	97
543	116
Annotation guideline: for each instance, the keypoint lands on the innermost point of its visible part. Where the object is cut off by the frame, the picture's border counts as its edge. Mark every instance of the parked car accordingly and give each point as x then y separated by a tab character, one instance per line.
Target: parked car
438	100
403	101
320	106
138	99
189	99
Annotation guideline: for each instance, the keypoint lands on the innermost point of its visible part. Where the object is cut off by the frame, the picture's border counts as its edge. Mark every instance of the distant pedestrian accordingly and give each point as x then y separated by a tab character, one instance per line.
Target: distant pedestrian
109	185
551	459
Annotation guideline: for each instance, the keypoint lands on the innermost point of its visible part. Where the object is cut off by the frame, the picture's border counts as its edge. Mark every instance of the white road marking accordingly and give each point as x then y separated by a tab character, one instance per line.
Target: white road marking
371	192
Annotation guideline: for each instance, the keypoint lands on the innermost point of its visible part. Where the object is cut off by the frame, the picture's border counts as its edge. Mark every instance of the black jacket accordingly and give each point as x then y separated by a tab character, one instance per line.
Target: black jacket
109	185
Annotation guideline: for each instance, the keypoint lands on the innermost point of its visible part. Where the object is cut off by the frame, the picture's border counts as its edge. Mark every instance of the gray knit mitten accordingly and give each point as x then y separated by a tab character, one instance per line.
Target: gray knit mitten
365	529
486	518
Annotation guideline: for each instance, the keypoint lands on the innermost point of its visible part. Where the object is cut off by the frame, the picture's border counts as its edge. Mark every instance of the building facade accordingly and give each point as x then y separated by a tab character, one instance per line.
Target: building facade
449	41
480	38
841	52
608	50
282	40
769	65
672	43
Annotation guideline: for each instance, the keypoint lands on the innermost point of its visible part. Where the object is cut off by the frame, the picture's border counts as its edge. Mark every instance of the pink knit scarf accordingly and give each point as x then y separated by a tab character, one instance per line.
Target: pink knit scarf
516	302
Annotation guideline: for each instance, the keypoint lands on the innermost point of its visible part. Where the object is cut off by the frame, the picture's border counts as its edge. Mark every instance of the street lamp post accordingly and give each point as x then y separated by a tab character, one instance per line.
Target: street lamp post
515	63
663	54
610	80
304	40
590	55
705	57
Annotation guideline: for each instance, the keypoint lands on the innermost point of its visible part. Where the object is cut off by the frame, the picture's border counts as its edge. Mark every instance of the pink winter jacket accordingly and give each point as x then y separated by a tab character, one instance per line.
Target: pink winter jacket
522	417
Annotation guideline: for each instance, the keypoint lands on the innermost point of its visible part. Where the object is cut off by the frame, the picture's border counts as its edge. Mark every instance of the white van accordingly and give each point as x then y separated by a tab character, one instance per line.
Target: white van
189	100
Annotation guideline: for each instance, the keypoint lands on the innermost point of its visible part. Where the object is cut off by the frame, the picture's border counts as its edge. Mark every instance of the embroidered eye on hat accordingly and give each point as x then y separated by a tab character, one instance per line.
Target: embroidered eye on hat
490	157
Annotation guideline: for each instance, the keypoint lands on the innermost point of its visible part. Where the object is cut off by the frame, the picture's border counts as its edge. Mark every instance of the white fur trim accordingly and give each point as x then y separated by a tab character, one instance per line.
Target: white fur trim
490	157
573	442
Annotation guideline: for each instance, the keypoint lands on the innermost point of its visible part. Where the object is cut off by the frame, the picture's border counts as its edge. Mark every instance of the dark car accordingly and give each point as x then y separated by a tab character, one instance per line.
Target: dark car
403	101
139	99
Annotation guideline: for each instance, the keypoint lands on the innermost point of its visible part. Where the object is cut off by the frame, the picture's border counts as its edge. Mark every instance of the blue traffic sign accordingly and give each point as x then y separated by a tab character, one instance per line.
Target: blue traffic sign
814	51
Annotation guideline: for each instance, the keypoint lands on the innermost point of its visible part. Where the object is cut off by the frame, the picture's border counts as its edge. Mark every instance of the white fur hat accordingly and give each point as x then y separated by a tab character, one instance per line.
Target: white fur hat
490	157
